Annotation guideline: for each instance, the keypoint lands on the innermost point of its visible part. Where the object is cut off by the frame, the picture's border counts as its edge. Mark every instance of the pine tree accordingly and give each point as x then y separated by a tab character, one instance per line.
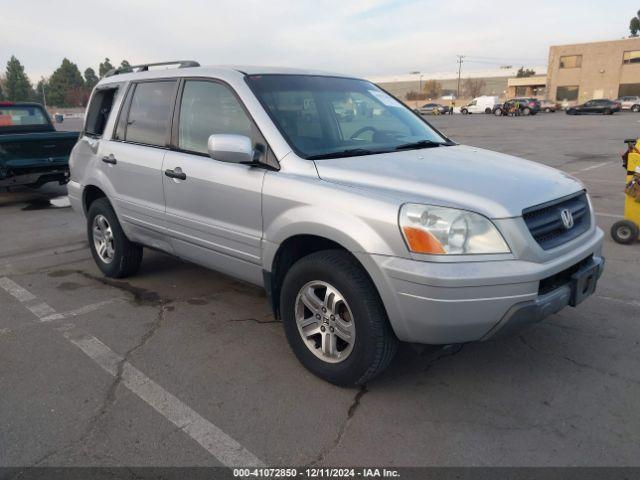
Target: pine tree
104	67
66	86
17	86
90	78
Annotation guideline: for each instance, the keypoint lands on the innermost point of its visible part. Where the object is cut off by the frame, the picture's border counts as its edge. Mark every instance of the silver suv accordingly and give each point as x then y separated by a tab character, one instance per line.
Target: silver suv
364	224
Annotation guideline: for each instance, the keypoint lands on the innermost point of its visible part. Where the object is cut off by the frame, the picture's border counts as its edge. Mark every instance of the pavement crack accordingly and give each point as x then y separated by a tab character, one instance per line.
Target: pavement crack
577	363
343	428
448	351
254	320
110	395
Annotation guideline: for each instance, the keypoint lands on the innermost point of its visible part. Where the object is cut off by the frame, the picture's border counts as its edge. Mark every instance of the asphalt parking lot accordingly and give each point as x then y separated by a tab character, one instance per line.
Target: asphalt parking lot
182	366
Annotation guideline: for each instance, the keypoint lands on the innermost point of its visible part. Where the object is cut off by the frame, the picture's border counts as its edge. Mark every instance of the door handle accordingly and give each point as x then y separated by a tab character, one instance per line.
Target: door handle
110	159
177	173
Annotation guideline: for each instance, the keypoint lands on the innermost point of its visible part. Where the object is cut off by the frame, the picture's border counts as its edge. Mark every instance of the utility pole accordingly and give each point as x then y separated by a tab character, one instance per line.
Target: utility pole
460	58
44	97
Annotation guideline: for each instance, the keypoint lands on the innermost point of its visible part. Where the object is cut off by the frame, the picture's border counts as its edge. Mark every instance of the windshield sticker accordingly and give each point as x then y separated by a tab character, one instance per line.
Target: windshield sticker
384	98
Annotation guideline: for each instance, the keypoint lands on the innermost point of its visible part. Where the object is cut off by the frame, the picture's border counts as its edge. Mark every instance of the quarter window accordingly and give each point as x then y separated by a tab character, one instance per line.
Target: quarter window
148	117
209	108
631	57
571	61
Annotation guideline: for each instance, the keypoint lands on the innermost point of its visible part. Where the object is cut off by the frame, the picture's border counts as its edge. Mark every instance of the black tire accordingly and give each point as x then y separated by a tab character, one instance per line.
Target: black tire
547	110
464	111
526	111
572	112
607	112
487	110
127	255
635	108
375	343
498	112
625	232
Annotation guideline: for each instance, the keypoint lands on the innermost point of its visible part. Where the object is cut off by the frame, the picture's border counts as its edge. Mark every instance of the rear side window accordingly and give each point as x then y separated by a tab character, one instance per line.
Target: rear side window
99	111
151	107
209	108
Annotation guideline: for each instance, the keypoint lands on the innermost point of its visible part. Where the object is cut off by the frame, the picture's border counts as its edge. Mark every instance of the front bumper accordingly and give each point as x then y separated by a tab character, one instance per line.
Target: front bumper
442	303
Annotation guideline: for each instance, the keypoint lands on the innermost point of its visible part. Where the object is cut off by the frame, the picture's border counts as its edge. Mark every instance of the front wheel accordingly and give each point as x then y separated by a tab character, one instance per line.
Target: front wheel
635	108
498	112
625	232
607	112
334	319
464	111
526	111
112	251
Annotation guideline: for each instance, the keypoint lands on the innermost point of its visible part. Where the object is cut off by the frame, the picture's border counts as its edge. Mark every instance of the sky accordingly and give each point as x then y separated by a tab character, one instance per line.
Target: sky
376	39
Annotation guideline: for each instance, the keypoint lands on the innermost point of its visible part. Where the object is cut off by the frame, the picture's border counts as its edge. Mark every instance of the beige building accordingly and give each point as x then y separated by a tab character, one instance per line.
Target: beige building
534	86
577	73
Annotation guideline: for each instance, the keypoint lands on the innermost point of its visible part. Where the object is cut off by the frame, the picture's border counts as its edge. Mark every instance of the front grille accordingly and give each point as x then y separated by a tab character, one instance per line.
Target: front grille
546	225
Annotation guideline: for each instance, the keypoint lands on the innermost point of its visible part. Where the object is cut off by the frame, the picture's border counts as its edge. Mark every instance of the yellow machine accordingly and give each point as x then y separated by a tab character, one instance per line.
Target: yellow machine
627	231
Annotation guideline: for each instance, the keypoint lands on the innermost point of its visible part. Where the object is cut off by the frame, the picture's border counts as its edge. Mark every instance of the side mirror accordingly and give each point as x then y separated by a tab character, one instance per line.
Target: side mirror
230	148
239	149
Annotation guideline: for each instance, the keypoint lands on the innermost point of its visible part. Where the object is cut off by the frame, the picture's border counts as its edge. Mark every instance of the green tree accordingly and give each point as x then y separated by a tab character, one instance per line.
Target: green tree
38	95
1	92
90	78
634	25
65	80
104	67
525	72
125	65
17	86
432	88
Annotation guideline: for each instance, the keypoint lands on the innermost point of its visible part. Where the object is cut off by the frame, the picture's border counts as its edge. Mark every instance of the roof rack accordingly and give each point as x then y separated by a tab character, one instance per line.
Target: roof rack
145	67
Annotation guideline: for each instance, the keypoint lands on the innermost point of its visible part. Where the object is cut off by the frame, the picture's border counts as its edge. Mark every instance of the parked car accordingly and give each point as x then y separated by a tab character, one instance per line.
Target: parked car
483	104
599	106
378	230
32	152
548	106
526	106
630	103
428	109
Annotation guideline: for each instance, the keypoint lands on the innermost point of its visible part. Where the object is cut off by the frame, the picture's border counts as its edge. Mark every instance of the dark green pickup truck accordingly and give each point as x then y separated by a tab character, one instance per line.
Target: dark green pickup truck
32	152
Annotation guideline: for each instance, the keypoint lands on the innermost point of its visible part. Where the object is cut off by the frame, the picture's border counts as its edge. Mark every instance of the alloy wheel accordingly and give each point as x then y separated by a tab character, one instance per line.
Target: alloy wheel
103	239
325	321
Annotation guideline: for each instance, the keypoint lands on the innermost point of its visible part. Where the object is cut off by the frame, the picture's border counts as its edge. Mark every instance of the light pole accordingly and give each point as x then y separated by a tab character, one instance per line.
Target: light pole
460	57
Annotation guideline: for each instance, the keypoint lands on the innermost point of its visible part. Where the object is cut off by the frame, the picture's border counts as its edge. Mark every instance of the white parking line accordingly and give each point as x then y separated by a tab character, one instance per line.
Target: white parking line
631	303
79	311
592	167
210	437
611	215
215	441
16	290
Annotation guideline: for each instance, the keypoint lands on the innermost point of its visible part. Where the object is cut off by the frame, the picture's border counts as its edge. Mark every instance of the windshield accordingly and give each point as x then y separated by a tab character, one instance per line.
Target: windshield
329	117
20	116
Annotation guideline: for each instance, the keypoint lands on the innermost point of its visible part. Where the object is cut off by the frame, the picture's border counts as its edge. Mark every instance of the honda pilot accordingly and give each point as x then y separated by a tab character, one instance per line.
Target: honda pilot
365	225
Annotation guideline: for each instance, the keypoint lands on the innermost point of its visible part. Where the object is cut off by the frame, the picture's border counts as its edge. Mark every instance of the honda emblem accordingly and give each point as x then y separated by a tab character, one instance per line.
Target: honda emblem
567	218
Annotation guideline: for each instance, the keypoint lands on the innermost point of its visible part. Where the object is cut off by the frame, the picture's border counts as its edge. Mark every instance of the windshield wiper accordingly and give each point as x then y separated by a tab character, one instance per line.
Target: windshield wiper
349	152
420	144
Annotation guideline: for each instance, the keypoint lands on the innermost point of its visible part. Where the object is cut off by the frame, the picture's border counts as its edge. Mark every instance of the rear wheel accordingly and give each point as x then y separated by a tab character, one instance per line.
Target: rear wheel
487	110
526	111
498	112
112	251
607	111
625	232
334	319
635	108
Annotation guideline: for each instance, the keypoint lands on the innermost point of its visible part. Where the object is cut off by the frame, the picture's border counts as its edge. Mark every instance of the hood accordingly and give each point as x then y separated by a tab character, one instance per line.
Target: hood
493	184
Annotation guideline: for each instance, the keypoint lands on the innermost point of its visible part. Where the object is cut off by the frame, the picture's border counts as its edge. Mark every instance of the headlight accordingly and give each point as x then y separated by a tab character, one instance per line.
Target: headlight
440	230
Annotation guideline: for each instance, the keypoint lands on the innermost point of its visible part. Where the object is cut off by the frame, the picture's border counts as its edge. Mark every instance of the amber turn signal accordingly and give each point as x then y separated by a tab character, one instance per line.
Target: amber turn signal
421	241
